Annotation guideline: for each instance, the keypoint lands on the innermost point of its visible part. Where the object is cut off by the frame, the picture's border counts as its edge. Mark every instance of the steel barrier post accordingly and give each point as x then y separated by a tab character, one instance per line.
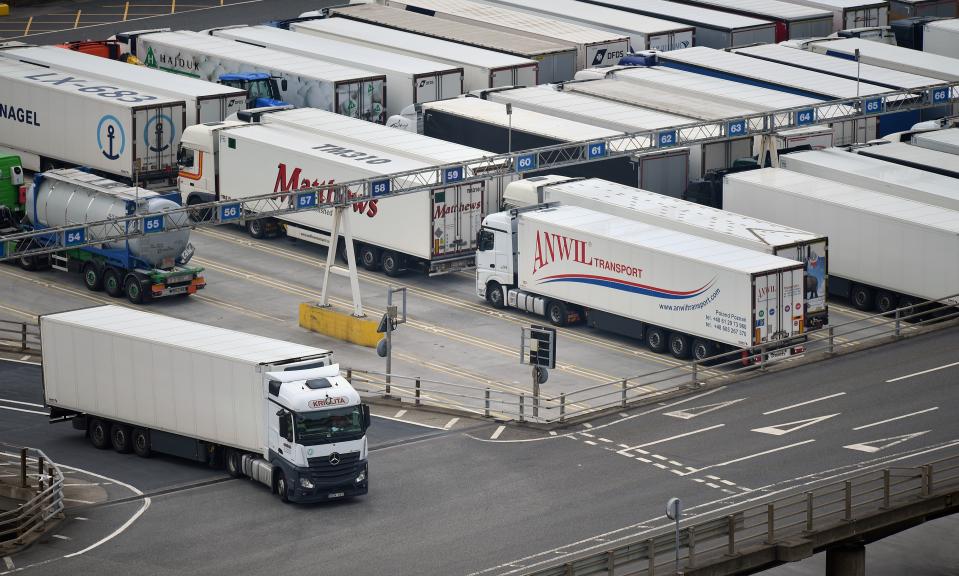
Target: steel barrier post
898	332
23	337
809	511
762	357
847	485
731	530
924	482
387	391
349	376
929	479
830	348
522	407
885	489
770	524
691	534
610	562
695	373
624	394
562	406
486	403
651	552
568	569
40	471
23	467
417	402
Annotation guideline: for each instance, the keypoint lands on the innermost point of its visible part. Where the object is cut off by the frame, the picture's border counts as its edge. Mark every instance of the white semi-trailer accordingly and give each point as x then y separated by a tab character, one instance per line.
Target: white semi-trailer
887	56
275	411
848	14
658	210
51	117
301	81
940	140
884	251
933	161
205	101
941	37
432	230
675	291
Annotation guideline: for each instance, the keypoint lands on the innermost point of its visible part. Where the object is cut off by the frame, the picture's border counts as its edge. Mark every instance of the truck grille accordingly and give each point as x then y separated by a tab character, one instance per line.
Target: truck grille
325	474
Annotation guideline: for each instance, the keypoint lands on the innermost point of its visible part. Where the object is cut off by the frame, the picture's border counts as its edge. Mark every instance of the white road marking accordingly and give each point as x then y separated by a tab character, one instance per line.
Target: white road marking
587	425
661	466
781	448
677	472
552	433
497	433
21	403
24	357
683	435
923	372
728	483
590	442
658	457
19	361
587	434
8	562
700	480
399	414
646	460
624	415
700	410
24	410
711	485
787	427
80	518
896	418
78	501
61	537
451	423
891	441
675	463
606	440
408	422
622	445
712	477
803	403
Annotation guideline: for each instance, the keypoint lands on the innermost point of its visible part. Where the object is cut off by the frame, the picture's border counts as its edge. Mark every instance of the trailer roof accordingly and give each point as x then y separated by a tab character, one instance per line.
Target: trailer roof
534	24
705	17
626	231
274	59
733	65
334	50
947	24
939	139
770	8
462	32
844	4
628	198
592	15
98	183
839	194
523	120
588	109
896	57
348	30
909	153
184	334
96	66
837	66
690	104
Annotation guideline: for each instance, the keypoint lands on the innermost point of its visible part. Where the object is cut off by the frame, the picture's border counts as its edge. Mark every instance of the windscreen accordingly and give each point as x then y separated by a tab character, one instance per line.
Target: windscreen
327	426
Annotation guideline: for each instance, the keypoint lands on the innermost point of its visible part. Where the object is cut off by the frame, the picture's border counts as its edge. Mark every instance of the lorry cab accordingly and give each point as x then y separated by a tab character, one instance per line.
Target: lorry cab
13	192
197	180
496	257
261	88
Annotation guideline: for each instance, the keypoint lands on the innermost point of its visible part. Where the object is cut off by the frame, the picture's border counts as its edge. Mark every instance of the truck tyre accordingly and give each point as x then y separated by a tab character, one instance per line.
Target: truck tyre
494	294
140	440
233	463
92	277
200	214
908	305
113	282
281	486
557	313
121	438
134	289
861	297
392	263
256	228
702	349
679	345
886	301
28	263
99	433
656	339
369	257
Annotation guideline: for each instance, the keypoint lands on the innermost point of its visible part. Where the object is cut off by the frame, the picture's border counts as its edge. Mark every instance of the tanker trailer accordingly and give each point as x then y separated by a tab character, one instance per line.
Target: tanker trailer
153	265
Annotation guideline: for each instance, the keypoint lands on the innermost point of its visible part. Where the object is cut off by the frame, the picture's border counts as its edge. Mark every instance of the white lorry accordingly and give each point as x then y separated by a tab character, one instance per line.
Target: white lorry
275	411
941	140
658	210
301	82
205	101
675	291
51	117
941	37
884	251
432	230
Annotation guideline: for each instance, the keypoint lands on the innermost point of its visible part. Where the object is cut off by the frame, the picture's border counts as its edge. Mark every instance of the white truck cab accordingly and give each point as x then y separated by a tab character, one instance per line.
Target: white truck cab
197	179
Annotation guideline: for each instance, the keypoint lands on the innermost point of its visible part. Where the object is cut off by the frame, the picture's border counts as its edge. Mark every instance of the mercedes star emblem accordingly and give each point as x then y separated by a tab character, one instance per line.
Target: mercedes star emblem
334	459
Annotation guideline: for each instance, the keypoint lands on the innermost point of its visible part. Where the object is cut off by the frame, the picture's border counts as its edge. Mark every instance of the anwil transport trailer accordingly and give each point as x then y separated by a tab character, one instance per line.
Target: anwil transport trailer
678	292
274	411
884	251
658	210
151	266
50	117
433	230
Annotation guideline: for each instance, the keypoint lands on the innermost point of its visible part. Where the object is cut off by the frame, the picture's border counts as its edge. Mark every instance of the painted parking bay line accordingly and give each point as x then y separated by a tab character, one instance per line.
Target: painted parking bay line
936	369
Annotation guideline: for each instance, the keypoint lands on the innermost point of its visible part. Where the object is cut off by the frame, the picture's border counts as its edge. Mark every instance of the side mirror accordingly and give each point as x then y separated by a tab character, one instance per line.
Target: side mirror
283	85
280	413
366	416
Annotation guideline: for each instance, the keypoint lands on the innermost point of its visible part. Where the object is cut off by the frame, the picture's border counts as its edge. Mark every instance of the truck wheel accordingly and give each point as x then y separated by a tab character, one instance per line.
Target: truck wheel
494	294
92	277
392	263
134	290
702	349
886	301
281	487
861	297
99	433
557	313
112	283
120	438
679	345
233	463
256	228
369	257
28	263
199	215
656	339
140	439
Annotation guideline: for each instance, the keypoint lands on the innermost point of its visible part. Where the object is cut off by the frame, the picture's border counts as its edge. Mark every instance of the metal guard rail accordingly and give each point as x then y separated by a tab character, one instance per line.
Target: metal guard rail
20	336
45	505
796	516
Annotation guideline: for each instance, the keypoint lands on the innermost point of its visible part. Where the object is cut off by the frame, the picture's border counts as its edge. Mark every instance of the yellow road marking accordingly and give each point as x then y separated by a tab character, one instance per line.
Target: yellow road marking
126	9
20	312
76	22
26	31
172	6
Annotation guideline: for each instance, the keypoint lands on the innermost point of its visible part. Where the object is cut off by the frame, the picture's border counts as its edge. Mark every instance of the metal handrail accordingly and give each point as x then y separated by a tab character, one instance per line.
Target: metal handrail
20	336
43	506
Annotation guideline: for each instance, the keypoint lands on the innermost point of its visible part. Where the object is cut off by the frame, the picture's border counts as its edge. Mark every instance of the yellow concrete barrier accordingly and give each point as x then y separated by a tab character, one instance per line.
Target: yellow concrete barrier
339	325
4	9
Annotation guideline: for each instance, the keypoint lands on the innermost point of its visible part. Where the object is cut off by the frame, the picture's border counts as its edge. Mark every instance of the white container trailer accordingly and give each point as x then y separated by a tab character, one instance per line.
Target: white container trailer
848	14
887	56
52	116
557	60
932	161
644	32
301	81
205	101
675	291
713	28
884	251
941	140
873	174
594	47
482	68
433	230
411	80
941	37
657	210
910	8
146	383
792	21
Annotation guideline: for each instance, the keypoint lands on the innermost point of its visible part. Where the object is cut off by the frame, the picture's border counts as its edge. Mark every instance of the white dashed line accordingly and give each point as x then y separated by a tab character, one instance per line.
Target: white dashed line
923	372
450	423
80	518
661	466
728	491
677	472
78	501
587	425
646	460
606	440
658	457
622	445
590	442
881	421
700	480
712	477
727	482
587	434
497	433
9	562
399	414
803	403
61	536
552	433
675	463
711	485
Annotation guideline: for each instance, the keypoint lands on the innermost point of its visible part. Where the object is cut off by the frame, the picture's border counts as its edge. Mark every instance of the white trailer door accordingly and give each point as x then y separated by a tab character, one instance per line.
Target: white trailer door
157	131
457	217
778	305
451	86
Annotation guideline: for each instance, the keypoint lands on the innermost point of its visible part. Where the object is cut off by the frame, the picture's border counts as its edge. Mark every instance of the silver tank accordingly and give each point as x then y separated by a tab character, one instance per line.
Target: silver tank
71	196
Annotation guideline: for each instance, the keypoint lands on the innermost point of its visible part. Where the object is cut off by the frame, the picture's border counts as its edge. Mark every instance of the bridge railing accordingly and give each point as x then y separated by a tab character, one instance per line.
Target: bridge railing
44	505
19	336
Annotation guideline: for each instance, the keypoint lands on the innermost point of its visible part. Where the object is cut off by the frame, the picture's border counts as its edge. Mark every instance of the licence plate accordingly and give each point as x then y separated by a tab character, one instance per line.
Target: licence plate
178	279
336	495
781	353
177	290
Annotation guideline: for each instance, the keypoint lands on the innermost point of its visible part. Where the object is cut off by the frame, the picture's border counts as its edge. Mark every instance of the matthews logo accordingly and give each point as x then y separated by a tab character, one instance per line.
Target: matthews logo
602	55
441	210
295	182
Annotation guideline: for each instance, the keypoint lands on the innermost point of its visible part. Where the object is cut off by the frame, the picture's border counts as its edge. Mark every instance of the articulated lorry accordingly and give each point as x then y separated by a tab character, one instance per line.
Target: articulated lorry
675	291
940	140
274	411
154	265
50	117
658	210
884	251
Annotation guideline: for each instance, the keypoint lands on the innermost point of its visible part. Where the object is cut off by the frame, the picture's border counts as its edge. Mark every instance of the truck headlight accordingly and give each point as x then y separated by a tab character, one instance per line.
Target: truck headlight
361	476
306	483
